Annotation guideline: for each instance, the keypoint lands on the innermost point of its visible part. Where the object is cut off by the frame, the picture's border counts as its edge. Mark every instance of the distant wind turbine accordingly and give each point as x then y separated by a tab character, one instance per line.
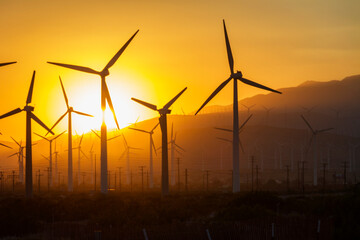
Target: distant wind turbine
248	107
173	147
50	154
163	125
152	146
234	76
240	130
29	116
69	111
127	153
314	138
105	97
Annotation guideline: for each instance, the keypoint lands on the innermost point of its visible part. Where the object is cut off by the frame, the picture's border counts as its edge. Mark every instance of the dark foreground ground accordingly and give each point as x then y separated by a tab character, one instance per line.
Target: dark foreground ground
182	216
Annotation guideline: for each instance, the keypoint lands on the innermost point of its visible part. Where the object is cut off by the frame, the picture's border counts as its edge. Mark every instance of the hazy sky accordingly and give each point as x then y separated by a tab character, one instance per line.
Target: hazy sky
278	43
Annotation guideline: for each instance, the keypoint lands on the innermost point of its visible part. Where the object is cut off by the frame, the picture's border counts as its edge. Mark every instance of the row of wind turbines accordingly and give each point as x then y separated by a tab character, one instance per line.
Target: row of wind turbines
163	112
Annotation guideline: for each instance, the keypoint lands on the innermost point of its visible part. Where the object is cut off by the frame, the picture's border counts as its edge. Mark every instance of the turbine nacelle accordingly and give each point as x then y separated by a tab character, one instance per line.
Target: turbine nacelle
237	75
164	111
71	109
28	108
104	72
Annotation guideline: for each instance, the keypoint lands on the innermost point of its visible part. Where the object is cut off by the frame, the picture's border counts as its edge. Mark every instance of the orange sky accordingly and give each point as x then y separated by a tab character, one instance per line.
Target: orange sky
277	43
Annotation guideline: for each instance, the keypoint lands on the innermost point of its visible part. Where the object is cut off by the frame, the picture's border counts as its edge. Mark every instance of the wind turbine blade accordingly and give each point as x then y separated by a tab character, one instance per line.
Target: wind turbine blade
5	145
7	63
113	137
96	134
155	127
224	129
13	154
228	49
245	122
254	84
81	113
29	97
81	139
178	152
63	89
15	111
241	146
135	148
78	68
122	155
149	105
308	124
84	154
140	130
45	157
16	142
218	89
179	147
57	121
107	94
324	130
117	55
36	119
224	139
41	136
58	135
153	145
125	142
174	99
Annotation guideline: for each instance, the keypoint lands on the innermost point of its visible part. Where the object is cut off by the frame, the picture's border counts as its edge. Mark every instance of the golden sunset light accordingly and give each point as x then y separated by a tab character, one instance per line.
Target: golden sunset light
174	120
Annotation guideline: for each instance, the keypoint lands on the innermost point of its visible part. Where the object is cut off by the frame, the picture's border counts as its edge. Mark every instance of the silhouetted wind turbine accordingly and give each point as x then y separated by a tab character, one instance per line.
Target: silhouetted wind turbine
127	152
29	115
173	146
152	146
7	63
79	157
240	130
248	107
234	76
163	125
313	137
105	97
69	111
50	155
267	113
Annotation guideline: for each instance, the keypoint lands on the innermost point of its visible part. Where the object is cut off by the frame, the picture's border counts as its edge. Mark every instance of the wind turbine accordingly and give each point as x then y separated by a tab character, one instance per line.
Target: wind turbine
105	97
173	146
240	130
7	63
50	155
69	111
313	138
127	152
248	107
234	76
163	125
29	116
267	113
152	146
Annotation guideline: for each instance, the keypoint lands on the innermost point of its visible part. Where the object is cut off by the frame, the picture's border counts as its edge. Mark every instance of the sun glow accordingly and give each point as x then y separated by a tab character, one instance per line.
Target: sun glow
85	96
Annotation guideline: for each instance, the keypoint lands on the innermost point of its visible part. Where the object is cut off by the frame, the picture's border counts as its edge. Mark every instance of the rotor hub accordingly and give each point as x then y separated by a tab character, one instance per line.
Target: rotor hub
29	108
105	73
